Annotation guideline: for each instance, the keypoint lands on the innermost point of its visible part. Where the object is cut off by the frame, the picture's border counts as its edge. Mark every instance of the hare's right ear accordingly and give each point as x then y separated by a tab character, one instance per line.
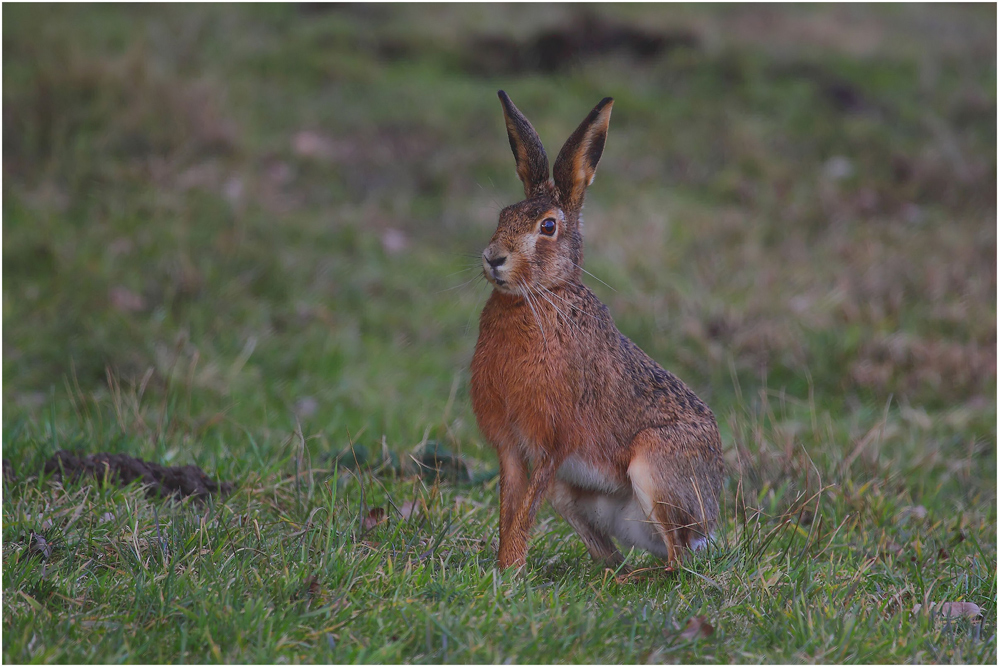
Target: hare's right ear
532	162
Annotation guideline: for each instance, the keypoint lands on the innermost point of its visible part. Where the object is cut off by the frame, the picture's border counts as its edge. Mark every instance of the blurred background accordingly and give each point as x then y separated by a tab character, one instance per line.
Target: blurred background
219	221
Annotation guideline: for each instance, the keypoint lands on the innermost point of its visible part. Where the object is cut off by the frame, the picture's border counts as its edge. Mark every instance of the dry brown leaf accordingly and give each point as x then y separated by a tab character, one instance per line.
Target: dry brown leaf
376	515
697	626
312	588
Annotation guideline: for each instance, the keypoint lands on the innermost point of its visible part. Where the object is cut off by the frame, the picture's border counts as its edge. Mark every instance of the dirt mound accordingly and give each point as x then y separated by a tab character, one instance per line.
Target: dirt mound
123	469
559	49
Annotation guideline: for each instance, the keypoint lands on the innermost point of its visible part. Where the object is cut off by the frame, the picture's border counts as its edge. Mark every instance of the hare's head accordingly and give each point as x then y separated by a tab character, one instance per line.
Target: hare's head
538	241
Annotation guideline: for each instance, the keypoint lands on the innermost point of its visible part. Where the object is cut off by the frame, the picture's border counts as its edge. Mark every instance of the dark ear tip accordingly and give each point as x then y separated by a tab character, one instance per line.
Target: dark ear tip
508	106
604	102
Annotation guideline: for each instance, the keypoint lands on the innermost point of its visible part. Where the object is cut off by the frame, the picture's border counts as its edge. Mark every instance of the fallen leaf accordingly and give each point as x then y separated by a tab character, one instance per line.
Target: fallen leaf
312	586
376	515
40	546
394	241
233	189
837	168
312	145
410	508
697	626
126	300
949	610
306	406
312	593
956	609
893	547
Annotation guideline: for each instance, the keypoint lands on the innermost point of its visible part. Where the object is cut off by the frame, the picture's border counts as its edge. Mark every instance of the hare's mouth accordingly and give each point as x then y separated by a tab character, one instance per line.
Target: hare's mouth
502	284
493	277
497	275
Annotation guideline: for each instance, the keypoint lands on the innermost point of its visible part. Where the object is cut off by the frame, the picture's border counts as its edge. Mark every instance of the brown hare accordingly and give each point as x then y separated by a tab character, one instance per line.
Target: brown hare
575	410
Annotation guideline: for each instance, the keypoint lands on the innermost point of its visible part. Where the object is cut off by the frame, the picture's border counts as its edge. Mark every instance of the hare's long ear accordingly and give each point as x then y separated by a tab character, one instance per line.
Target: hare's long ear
576	163
532	162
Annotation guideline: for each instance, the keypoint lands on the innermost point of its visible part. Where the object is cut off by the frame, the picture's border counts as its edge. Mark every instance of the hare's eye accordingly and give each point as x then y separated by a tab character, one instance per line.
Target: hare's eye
548	226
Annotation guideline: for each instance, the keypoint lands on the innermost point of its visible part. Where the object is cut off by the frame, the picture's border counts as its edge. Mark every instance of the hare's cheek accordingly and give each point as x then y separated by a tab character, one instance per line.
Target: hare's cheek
547	256
529	246
528	256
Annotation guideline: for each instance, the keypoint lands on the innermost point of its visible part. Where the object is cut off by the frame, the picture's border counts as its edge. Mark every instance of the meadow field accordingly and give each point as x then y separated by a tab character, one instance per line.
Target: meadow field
247	237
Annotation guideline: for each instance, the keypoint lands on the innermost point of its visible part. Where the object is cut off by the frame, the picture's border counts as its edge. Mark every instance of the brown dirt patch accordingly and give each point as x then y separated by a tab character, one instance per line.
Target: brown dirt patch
122	469
557	50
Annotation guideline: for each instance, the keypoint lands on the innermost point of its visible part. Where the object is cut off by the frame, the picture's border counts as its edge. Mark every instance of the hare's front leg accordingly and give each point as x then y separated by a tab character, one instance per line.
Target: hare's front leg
513	488
513	549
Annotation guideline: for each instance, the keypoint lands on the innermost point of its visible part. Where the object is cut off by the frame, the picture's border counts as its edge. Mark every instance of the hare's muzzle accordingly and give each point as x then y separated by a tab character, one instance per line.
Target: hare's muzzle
494	266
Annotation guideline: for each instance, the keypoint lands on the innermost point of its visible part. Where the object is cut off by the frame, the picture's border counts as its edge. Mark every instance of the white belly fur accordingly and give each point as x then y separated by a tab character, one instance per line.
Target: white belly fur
585	475
622	517
614	509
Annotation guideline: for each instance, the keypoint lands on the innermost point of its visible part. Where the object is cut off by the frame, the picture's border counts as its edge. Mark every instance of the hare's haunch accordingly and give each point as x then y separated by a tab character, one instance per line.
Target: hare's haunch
576	411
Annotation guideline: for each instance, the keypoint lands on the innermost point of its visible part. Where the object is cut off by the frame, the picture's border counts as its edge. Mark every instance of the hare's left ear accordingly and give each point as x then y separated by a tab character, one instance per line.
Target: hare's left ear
576	164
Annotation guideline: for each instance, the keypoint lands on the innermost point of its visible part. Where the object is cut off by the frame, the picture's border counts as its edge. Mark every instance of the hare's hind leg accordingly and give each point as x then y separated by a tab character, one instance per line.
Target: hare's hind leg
667	487
567	500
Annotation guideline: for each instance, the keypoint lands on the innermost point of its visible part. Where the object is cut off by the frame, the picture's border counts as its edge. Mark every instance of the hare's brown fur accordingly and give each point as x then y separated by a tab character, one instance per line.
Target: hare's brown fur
576	411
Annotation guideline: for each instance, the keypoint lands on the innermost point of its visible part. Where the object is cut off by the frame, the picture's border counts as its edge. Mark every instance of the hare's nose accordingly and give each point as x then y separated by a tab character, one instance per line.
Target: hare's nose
496	261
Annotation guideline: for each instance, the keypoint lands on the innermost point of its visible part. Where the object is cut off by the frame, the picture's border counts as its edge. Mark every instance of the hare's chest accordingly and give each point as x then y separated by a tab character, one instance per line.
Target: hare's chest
536	398
520	390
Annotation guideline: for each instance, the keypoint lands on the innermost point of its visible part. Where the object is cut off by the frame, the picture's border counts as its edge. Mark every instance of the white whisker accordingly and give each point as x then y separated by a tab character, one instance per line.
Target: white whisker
469	268
590	274
537	319
573	306
448	289
558	310
475	309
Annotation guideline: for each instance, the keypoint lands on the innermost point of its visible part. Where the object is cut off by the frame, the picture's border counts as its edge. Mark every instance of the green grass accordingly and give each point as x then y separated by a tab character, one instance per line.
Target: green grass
239	237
